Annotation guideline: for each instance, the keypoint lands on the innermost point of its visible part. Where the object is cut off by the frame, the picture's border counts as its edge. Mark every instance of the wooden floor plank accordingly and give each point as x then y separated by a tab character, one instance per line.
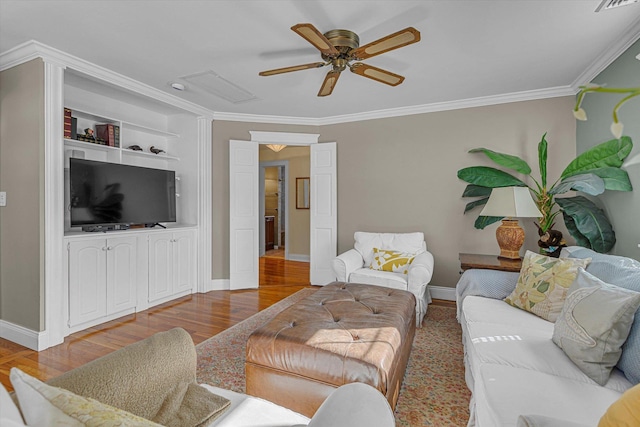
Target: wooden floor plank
202	315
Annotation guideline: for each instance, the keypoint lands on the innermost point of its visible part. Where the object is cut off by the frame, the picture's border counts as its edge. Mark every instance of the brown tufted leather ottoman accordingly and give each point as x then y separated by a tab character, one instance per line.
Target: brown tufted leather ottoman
344	333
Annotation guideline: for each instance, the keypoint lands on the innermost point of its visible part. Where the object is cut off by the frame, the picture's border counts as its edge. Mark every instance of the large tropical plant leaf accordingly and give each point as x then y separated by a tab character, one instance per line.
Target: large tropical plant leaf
475	203
483	221
590	221
588	183
476	191
610	153
581	240
614	178
489	177
507	160
542	160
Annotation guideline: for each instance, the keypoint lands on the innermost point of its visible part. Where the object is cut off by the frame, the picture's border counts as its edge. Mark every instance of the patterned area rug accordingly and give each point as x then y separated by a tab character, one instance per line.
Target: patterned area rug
433	392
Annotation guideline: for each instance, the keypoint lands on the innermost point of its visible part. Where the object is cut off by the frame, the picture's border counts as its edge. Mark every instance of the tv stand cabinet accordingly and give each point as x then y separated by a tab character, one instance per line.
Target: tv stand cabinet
123	272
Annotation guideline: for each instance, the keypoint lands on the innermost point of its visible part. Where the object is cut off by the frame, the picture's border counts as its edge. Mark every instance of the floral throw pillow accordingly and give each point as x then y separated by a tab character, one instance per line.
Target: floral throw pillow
543	284
388	260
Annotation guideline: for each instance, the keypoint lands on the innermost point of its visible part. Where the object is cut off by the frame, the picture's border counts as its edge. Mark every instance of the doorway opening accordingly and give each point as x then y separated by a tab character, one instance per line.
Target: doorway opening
245	213
275	185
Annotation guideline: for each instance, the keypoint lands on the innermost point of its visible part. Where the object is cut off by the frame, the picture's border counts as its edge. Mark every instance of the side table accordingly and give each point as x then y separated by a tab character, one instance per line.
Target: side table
488	262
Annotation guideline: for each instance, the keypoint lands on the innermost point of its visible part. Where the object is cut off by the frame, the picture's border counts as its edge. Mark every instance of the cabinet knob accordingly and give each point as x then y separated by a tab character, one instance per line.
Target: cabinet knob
105	249
109	248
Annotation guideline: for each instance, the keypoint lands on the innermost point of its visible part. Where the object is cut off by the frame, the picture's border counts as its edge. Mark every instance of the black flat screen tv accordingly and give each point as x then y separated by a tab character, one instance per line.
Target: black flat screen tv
108	193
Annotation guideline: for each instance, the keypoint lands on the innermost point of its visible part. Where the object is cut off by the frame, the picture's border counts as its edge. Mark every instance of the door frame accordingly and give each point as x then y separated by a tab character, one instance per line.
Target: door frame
286	138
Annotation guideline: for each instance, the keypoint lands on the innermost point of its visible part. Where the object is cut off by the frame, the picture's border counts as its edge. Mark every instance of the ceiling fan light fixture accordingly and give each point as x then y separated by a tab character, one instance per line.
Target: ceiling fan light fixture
276	147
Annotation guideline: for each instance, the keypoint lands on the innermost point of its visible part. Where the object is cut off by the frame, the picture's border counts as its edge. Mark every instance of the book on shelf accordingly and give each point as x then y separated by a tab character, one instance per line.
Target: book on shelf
67	123
109	133
74	128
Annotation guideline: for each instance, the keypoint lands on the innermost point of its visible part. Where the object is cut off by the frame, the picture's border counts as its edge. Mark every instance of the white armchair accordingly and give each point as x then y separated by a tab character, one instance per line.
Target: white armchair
354	265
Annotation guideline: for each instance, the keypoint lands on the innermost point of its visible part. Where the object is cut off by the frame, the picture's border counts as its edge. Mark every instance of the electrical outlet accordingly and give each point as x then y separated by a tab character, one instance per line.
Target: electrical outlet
3	198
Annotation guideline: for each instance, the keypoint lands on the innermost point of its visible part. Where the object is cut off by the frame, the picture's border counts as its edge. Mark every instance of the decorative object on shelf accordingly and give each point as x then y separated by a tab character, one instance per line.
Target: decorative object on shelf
89	133
510	202
592	172
276	147
155	150
90	137
135	147
550	242
616	126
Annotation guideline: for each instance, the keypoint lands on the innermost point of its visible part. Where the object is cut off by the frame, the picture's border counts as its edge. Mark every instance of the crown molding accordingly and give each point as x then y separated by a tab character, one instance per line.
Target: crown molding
257	118
33	49
610	54
288	138
404	111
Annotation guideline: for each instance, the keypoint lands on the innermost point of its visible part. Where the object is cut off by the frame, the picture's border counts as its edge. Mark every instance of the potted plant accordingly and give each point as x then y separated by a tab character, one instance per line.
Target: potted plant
592	172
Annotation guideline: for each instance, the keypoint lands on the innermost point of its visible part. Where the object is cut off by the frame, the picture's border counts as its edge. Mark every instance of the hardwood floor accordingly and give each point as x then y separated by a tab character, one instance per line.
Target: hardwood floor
202	315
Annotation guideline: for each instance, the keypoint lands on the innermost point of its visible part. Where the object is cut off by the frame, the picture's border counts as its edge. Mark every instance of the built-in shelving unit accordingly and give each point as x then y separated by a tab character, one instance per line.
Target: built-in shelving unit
157	264
90	278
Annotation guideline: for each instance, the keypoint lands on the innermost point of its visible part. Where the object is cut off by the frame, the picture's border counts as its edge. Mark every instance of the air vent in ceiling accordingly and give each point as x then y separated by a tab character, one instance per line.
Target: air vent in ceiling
217	85
610	4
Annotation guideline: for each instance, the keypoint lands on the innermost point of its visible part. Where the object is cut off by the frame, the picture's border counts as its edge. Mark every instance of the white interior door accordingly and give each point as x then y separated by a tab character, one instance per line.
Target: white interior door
244	214
261	210
324	212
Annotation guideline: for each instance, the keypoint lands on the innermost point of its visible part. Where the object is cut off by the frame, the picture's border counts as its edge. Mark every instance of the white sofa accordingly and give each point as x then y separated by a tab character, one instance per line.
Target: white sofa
512	366
156	379
354	265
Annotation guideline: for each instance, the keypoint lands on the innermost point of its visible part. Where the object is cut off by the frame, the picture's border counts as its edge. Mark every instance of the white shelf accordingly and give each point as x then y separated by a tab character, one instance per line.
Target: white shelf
88	145
99	118
162	156
149	130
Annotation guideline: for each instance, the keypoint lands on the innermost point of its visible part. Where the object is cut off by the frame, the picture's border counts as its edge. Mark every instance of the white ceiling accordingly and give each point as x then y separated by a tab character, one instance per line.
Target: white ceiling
469	49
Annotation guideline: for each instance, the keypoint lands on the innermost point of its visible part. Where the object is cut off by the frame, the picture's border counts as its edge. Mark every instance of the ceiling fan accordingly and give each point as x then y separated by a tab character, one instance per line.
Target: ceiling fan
340	48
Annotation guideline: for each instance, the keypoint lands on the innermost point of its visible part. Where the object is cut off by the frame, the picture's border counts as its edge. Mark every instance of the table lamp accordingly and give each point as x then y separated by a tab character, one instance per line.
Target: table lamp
510	202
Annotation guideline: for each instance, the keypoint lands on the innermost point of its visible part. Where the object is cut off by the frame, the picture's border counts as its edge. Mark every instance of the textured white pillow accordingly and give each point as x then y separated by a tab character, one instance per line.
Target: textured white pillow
43	406
594	324
9	412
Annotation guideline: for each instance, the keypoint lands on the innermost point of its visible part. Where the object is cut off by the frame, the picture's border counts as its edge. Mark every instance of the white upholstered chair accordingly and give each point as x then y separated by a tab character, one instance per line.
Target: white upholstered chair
354	265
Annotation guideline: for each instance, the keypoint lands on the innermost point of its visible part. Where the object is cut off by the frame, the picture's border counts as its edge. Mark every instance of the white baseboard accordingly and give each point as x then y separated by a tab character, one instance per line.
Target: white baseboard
220	285
298	257
444	293
24	336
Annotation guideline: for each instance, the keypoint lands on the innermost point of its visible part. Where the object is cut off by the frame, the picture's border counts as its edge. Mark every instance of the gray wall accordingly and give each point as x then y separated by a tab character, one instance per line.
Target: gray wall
21	221
623	209
399	174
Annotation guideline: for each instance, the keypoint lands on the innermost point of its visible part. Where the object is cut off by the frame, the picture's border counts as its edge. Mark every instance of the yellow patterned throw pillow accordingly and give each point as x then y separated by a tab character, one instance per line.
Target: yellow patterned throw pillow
389	260
543	284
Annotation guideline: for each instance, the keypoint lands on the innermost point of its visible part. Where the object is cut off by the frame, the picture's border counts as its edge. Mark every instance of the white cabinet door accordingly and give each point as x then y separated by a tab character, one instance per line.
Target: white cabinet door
121	274
87	281
184	266
160	266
